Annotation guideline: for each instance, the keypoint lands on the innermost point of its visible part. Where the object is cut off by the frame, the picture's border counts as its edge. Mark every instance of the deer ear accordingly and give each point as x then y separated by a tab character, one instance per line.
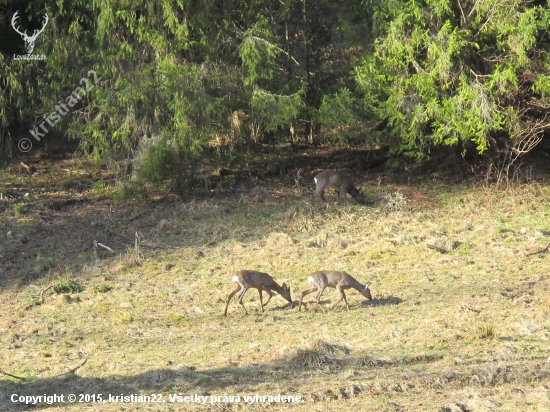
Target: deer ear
367	285
284	286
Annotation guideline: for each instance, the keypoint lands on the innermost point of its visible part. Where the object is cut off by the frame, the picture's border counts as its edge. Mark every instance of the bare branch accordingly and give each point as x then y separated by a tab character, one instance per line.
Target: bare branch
79	366
106	247
259	39
545	250
12	376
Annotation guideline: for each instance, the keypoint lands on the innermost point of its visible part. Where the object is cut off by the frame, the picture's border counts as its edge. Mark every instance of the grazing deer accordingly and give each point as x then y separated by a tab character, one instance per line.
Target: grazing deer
246	279
338	180
319	281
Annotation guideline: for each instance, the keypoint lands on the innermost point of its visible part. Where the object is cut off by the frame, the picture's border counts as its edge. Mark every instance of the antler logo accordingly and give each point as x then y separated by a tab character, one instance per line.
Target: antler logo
29	40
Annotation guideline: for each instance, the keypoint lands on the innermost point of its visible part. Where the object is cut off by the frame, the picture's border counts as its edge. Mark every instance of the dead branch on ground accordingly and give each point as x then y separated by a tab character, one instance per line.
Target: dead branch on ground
12	376
545	250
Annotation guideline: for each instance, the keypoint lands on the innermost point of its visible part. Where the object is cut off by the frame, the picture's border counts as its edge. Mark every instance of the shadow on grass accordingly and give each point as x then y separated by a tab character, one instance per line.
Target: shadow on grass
165	382
328	304
45	240
300	366
189	381
387	301
50	219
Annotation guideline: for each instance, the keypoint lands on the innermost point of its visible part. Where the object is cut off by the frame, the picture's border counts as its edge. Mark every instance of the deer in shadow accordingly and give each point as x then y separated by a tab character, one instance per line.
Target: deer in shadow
340	182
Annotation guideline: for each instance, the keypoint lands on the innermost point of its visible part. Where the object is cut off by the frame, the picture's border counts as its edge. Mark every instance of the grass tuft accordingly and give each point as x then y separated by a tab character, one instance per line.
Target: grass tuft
484	330
314	354
68	286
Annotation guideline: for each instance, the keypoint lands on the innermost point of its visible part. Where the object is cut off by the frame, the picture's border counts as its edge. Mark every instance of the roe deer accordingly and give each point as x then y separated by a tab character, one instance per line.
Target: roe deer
246	279
338	180
319	281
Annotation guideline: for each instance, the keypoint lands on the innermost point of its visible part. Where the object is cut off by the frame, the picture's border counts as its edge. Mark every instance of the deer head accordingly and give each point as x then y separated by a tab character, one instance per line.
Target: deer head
286	292
29	40
366	292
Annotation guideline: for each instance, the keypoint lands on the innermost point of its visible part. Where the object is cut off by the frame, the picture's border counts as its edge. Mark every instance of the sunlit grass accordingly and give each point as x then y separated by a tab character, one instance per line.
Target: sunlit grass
153	321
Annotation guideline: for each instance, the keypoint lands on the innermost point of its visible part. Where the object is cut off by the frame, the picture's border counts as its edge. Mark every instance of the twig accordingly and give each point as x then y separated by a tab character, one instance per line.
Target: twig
106	247
462	13
259	39
77	367
137	240
96	244
66	373
165	196
41	300
545	250
42	294
13	376
30	169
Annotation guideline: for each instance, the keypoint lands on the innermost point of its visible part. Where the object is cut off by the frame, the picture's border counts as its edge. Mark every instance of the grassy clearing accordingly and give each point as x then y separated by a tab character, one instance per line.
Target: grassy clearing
459	320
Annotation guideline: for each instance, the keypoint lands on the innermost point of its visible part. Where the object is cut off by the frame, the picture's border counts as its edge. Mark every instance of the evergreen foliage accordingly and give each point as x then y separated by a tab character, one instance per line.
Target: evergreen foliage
461	72
230	75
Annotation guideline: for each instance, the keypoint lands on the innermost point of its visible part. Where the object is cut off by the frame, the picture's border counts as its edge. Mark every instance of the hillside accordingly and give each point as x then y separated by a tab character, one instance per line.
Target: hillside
460	281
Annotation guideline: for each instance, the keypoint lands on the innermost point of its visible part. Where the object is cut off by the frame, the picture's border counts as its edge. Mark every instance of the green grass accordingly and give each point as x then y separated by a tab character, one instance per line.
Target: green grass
19	209
436	322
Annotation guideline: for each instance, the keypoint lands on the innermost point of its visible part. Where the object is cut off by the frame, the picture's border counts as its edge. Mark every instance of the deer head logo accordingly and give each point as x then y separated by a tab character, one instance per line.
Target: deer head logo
29	40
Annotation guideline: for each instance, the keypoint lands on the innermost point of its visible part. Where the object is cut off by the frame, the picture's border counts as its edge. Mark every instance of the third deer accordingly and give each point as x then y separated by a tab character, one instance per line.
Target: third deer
340	182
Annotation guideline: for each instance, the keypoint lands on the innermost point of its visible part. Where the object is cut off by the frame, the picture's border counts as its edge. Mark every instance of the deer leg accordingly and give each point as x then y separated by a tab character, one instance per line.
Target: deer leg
342	297
233	292
315	194
344	194
318	298
270	293
241	296
304	293
261	299
323	196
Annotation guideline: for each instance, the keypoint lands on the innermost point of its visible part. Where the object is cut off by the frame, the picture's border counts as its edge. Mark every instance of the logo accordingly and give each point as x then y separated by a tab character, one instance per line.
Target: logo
29	40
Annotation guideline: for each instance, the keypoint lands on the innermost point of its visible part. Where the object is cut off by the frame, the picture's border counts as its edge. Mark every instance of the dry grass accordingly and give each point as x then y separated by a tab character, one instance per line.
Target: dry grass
464	326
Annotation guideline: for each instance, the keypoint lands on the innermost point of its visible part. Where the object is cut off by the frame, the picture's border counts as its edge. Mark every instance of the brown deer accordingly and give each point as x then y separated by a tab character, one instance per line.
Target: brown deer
319	281
246	279
340	182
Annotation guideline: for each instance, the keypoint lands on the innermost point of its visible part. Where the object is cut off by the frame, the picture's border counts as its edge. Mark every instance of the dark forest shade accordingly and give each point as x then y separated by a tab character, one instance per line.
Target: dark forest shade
408	75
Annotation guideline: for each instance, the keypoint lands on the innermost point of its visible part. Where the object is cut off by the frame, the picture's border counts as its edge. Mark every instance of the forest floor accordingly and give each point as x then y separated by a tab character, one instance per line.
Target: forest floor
459	272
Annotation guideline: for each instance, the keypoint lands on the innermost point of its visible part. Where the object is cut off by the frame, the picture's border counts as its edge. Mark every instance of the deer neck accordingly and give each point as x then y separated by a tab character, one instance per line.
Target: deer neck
358	286
278	289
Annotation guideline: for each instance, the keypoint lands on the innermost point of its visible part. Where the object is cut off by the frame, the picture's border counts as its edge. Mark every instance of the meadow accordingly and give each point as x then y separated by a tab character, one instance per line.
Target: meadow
459	319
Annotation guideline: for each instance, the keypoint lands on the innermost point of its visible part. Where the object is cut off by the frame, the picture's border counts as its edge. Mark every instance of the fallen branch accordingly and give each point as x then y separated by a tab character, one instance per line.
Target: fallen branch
73	370
96	244
13	376
76	367
29	169
545	250
42	294
41	299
